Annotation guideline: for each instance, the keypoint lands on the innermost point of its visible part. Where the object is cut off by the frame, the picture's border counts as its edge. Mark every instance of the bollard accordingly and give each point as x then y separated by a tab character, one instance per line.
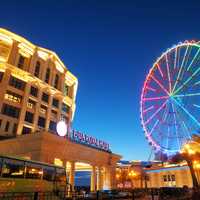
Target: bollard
133	195
152	194
35	196
98	195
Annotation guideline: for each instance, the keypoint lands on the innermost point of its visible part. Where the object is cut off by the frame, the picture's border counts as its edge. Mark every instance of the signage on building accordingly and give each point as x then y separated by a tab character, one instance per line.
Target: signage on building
89	140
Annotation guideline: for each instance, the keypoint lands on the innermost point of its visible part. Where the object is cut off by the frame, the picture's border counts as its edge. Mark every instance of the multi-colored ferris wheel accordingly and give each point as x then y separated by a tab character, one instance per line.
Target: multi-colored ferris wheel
170	100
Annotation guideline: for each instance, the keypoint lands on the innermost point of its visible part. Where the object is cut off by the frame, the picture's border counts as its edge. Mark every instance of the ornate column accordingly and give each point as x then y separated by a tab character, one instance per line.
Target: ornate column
4	84
93	179
23	109
48	114
113	177
72	174
99	178
37	110
13	53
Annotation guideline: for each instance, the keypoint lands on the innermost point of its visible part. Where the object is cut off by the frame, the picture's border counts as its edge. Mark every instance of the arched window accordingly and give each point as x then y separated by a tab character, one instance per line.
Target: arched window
37	69
56	81
47	75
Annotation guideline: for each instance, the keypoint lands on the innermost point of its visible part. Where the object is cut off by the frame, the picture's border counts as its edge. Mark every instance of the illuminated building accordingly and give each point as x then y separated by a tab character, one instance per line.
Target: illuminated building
37	91
169	175
131	174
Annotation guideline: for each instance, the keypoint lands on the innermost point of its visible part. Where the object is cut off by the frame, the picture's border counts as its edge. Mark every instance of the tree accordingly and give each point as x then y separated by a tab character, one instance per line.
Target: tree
185	156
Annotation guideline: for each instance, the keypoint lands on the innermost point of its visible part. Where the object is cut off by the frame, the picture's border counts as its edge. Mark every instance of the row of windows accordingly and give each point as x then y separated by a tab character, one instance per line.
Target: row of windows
45	98
21	64
169	177
7	126
11	168
10	111
17	83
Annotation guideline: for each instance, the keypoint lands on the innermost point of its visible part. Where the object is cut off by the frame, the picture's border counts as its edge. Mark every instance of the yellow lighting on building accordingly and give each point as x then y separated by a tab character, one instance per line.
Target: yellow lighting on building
132	173
12	98
26	50
6	38
58	162
59	67
43	55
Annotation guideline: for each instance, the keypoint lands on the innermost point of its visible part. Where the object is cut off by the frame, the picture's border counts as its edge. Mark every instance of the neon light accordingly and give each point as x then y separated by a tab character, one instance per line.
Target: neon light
198	82
178	142
175	58
154	126
187	80
180	70
150	108
186	95
159	69
193	59
187	112
170	87
150	88
198	106
155	98
159	84
158	129
155	113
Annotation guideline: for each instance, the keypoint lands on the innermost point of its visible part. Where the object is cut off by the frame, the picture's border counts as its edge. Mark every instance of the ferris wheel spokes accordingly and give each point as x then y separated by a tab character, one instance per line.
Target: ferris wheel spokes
180	70
186	111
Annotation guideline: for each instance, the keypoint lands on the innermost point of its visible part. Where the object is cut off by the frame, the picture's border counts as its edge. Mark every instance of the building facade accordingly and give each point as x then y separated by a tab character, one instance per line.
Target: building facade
37	89
169	176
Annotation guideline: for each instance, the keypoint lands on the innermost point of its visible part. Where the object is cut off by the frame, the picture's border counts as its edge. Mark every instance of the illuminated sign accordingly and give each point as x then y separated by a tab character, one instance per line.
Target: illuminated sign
89	140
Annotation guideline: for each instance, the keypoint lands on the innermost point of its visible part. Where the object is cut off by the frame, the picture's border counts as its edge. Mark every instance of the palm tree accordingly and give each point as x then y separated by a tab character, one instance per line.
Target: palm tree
179	157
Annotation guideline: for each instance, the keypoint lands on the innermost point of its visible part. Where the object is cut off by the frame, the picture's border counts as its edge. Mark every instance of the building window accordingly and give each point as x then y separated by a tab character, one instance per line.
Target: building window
26	130
56	81
14	129
165	178
21	61
169	178
29	117
41	122
10	111
52	126
1	76
54	113
65	119
45	97
7	126
66	90
43	109
65	108
34	91
47	75
11	96
55	102
37	69
31	104
17	83
173	177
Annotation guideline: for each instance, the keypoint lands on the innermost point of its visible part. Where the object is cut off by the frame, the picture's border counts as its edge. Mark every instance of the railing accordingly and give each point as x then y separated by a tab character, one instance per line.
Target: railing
136	194
32	196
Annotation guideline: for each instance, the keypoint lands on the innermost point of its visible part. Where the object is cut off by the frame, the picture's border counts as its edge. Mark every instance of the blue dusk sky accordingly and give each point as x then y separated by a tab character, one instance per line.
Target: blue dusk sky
110	45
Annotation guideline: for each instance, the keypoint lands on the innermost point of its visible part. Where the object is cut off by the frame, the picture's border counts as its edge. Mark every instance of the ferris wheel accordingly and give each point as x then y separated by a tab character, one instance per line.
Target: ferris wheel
170	99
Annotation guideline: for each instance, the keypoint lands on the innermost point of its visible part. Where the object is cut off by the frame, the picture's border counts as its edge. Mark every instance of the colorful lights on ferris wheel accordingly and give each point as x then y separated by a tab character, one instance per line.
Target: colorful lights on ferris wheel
170	97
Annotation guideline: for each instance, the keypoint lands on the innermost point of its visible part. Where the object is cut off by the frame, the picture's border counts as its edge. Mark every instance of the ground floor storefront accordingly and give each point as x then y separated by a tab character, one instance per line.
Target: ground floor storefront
52	149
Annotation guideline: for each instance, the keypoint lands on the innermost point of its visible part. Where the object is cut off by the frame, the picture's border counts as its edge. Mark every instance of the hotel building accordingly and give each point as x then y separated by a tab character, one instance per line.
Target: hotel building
37	91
